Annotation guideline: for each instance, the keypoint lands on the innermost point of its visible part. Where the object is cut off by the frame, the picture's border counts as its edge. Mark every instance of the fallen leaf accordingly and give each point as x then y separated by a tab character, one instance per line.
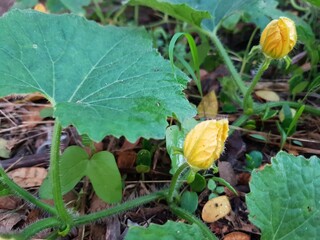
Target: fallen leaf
237	236
267	95
208	106
126	159
215	209
227	173
9	202
28	177
8	221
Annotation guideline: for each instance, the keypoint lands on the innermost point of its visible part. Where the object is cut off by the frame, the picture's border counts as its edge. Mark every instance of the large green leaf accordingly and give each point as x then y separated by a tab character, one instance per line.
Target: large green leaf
284	199
186	10
169	231
101	169
102	80
195	11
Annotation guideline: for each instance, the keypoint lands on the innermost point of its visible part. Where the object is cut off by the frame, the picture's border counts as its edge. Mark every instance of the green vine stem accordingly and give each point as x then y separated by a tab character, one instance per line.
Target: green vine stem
192	219
119	208
55	174
223	53
37	227
174	181
25	194
247	101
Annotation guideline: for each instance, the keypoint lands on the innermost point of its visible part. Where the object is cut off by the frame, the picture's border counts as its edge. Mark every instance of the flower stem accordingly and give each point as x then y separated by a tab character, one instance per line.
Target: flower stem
120	208
174	181
193	219
55	174
223	53
247	101
25	194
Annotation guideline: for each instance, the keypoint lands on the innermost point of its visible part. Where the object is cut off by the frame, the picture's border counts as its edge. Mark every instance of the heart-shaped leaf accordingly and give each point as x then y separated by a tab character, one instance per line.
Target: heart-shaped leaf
284	198
101	169
102	80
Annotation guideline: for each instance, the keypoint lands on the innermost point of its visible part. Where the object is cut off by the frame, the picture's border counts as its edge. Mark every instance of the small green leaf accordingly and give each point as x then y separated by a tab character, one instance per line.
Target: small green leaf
254	159
284	198
189	201
219	190
212	185
259	137
169	231
199	183
144	157
212	195
105	177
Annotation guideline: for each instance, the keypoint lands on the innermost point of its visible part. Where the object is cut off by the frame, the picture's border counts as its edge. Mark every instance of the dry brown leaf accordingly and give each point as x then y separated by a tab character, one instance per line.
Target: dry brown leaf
126	159
215	209
8	221
9	202
227	173
267	95
208	106
237	236
28	177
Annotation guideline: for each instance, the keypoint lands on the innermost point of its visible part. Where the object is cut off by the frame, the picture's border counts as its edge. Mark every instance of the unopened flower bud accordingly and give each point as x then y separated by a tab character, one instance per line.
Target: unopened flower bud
278	38
205	143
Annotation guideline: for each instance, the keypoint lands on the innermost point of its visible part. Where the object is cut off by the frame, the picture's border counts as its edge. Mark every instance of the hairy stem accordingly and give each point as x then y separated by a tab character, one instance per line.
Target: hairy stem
174	181
37	227
119	208
55	174
223	53
247	101
193	219
25	194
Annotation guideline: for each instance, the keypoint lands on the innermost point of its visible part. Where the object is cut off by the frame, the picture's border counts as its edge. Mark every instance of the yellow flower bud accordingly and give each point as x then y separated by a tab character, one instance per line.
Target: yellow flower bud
278	38
40	8
205	143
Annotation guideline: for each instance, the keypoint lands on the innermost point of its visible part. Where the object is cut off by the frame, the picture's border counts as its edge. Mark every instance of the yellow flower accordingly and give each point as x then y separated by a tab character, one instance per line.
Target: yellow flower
205	142
278	38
